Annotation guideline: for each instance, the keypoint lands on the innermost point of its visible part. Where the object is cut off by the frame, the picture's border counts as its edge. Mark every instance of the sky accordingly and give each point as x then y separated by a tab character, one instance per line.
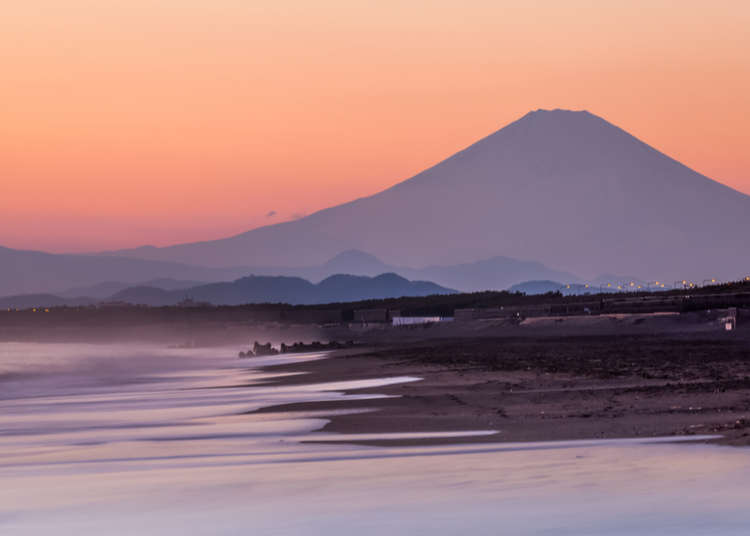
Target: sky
133	122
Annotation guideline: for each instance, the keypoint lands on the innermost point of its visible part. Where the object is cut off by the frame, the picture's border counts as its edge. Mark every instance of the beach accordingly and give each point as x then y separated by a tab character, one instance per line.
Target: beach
405	439
547	387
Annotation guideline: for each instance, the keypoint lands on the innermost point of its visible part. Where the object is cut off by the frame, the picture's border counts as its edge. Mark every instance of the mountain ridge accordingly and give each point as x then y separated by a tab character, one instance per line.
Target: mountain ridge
73	276
568	189
251	289
287	289
28	271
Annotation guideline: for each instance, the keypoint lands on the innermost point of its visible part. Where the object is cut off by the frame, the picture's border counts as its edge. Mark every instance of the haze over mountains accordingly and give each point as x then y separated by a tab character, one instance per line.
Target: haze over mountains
99	277
23	272
567	189
496	273
108	288
252	289
282	289
572	193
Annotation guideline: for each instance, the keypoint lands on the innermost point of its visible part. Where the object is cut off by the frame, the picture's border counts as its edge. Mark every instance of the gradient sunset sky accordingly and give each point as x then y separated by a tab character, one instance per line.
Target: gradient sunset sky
155	122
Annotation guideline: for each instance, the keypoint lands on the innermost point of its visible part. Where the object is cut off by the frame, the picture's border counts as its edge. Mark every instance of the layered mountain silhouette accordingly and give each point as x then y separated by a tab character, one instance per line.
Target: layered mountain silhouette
252	289
564	188
108	288
292	290
74	276
496	273
23	272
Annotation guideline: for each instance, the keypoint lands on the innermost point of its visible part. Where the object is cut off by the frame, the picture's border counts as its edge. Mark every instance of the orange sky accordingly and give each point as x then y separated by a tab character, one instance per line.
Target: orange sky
130	122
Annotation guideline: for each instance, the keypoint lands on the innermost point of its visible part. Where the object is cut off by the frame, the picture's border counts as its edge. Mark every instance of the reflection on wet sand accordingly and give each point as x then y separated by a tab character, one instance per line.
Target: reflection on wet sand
171	449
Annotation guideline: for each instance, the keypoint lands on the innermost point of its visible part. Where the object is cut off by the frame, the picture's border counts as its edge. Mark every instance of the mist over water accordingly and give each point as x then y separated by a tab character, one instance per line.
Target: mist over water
138	439
29	369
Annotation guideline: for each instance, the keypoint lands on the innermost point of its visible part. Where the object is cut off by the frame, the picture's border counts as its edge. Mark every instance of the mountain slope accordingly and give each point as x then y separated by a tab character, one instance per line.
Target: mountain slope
23	272
282	289
108	288
344	288
565	188
497	273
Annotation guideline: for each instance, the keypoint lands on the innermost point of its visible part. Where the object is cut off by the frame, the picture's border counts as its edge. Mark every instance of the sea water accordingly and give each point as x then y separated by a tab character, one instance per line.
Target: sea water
128	440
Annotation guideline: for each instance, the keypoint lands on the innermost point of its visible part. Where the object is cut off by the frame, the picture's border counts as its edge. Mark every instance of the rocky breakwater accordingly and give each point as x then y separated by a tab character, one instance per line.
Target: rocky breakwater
266	349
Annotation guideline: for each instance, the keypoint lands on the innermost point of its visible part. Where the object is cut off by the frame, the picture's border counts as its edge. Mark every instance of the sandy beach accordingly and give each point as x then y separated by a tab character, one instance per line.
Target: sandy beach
115	439
546	388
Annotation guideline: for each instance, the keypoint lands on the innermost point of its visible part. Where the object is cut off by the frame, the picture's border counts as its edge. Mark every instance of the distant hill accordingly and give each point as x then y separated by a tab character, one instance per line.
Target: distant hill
283	289
497	273
108	288
564	188
98	290
173	284
252	289
354	262
25	272
99	277
153	296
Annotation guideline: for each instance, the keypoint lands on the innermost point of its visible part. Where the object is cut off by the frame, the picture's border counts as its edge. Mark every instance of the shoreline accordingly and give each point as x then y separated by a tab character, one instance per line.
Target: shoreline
541	389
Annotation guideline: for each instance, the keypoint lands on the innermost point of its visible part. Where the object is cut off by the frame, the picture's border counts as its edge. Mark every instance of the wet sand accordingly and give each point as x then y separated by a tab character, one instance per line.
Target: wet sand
121	440
545	388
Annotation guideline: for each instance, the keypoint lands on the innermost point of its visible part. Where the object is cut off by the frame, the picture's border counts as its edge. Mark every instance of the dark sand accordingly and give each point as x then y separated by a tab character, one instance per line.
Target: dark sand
547	387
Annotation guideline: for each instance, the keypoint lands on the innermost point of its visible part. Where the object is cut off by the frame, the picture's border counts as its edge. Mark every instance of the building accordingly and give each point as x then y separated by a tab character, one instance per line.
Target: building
417	320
